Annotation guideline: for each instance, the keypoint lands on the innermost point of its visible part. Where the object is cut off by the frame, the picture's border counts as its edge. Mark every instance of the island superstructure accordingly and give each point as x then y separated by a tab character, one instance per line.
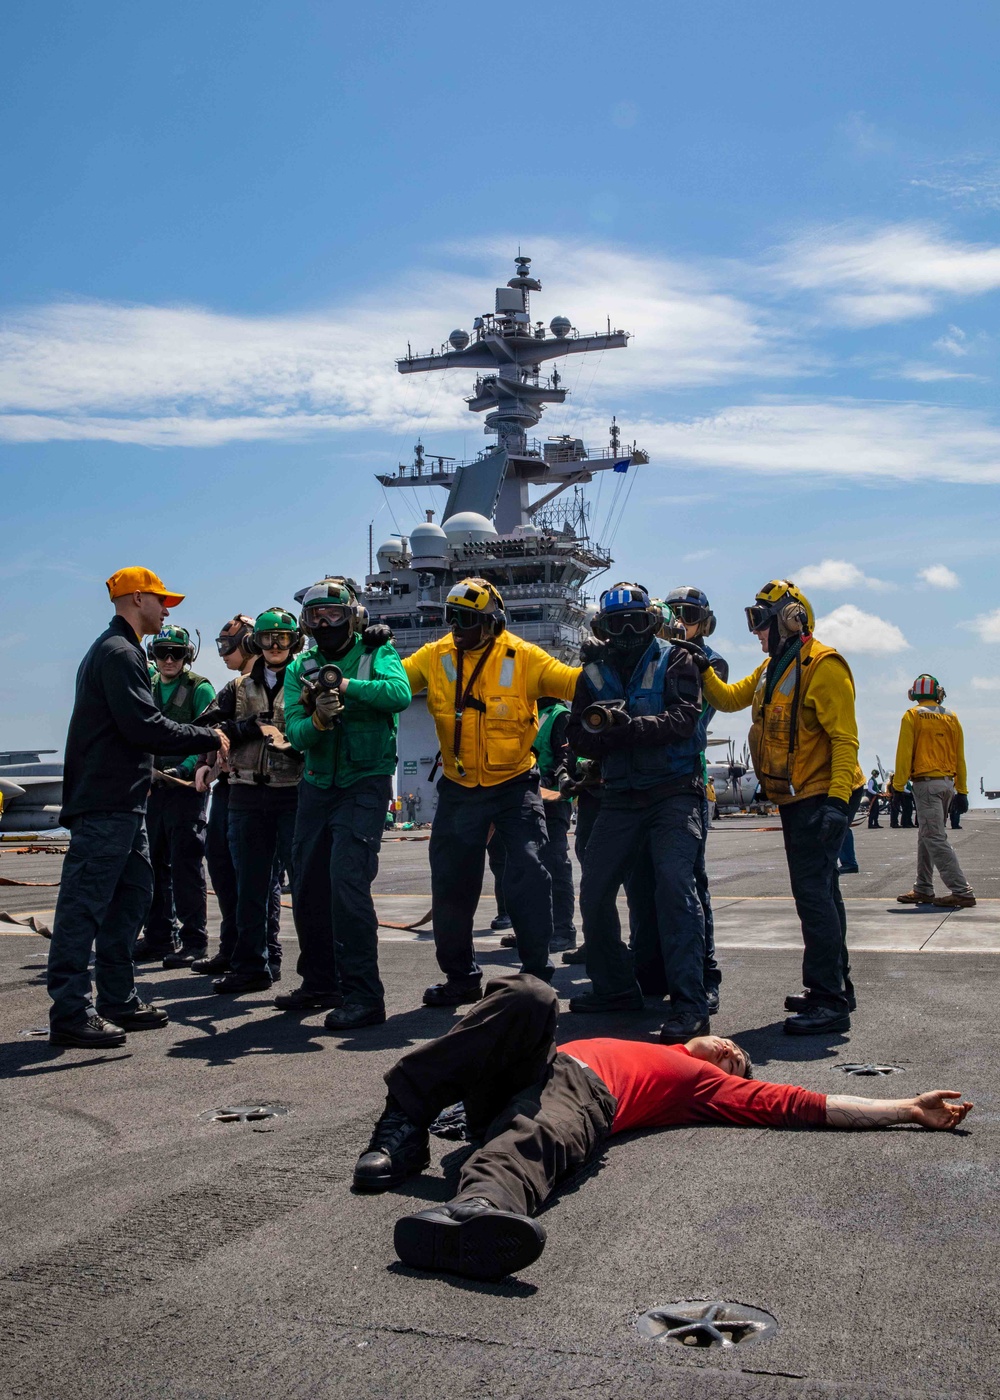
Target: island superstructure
538	552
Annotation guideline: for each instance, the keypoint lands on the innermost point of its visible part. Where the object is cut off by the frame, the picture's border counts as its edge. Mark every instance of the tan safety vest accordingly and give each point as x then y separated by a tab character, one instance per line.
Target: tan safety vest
258	762
790	749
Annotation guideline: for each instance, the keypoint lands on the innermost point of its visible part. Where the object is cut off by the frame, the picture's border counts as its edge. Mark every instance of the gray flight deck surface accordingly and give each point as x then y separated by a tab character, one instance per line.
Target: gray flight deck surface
149	1253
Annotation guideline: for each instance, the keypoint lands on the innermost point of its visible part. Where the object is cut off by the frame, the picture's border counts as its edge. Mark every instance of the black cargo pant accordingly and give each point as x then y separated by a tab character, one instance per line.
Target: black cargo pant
458	856
261	832
104	896
338	834
644	929
587	808
175	822
555	858
222	874
671	829
812	872
542	1114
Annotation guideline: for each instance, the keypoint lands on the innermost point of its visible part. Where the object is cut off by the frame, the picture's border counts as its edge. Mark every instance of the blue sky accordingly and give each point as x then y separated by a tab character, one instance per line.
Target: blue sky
222	223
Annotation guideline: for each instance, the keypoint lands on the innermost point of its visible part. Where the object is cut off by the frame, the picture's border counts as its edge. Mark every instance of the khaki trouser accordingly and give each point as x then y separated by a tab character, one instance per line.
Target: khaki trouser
933	798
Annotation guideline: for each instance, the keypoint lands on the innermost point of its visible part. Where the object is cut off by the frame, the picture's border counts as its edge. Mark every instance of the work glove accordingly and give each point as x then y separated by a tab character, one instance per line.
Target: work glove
307	697
696	654
376	635
329	707
592	649
832	822
173	773
960	803
240	731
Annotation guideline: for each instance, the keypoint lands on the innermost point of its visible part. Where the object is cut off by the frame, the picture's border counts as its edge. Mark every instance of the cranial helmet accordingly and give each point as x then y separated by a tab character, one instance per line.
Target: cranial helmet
171	636
335	592
671	627
927	687
692	607
780	601
475	602
626	616
275	619
233	635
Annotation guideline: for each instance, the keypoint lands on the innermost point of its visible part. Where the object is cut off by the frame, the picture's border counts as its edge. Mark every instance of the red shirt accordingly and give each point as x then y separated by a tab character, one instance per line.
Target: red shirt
664	1086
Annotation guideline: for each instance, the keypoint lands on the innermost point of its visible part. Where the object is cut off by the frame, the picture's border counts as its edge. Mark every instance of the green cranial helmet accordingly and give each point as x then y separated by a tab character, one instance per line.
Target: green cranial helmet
276	627
168	640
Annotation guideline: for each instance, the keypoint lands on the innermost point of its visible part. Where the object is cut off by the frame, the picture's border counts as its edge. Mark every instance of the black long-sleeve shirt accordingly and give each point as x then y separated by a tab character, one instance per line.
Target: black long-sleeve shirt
116	728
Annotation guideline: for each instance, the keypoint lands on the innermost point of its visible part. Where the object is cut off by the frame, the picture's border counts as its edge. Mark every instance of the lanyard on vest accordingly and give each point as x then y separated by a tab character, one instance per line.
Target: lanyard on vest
462	699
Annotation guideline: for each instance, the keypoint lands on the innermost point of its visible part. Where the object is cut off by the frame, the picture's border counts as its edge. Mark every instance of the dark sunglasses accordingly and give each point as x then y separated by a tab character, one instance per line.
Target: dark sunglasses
170	653
618	623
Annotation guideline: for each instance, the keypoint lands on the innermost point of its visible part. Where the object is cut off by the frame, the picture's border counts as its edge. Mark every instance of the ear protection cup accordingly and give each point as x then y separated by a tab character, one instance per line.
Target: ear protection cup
709	627
499	620
793	618
598	628
250	645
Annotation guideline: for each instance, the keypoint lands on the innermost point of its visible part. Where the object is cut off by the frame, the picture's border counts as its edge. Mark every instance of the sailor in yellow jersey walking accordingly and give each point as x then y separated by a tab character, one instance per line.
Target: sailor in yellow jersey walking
931	755
483	684
804	745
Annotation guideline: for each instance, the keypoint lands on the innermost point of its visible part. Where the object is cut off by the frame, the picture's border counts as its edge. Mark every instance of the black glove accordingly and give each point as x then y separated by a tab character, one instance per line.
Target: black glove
240	731
173	773
832	822
960	803
376	635
329	707
592	649
696	654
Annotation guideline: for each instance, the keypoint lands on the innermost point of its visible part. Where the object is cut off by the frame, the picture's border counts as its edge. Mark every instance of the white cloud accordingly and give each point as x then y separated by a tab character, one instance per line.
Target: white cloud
849	629
848	438
887	274
192	376
986	682
835	573
953	342
939	576
971	179
987	625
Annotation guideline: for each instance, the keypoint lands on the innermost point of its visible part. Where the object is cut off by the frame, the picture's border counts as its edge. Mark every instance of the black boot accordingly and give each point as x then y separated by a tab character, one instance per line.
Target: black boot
301	1000
712	1000
398	1149
452	993
818	1020
144	1018
802	1001
472	1238
632	1000
681	1025
574	957
234	984
93	1033
144	951
213	967
562	943
353	1015
184	957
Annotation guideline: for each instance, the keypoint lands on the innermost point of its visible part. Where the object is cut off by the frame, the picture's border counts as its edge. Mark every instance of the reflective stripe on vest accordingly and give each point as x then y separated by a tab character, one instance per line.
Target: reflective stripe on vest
507	672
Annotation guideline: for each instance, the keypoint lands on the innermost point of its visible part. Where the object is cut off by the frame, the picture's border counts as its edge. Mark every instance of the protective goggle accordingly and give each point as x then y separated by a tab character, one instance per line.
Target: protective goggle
617	624
225	646
465	618
691	613
759	616
270	640
170	653
331	613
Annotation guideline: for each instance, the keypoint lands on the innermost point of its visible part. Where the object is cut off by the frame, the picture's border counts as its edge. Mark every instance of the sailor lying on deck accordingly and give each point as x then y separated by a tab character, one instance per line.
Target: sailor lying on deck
542	1112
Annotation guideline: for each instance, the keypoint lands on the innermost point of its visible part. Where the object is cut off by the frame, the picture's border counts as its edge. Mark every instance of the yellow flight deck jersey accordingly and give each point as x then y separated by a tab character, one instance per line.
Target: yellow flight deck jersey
931	745
499	719
804	740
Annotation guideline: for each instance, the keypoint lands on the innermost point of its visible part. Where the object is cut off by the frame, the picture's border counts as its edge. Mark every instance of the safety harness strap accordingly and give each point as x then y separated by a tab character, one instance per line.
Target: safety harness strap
462	700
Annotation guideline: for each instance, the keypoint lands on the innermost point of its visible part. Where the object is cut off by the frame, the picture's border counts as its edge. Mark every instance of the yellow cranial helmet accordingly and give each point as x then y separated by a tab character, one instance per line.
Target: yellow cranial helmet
476	593
782	600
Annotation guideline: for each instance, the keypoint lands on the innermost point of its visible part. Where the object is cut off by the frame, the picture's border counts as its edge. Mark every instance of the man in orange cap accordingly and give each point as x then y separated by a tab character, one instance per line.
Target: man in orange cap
107	881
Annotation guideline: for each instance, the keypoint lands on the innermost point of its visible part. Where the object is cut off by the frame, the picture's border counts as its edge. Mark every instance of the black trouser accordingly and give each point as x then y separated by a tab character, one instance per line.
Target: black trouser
338	833
261	832
812	870
644	932
222	874
587	808
895	806
672	830
555	858
458	855
103	898
909	816
873	812
542	1114
176	821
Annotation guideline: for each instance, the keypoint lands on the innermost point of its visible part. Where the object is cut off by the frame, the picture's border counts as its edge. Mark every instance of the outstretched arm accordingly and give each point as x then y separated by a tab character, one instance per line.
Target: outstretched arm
931	1110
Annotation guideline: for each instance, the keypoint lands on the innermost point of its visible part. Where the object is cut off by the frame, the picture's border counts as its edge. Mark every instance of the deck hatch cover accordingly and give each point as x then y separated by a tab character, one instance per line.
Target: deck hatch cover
702	1323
